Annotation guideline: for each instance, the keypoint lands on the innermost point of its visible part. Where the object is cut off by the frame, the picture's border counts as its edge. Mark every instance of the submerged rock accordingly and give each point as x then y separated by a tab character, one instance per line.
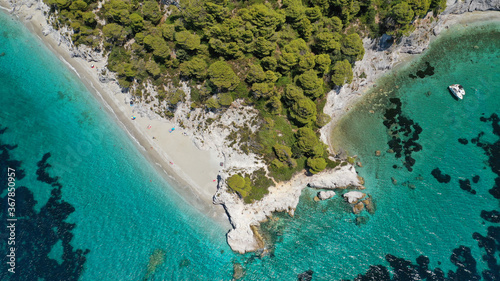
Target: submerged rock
370	207
356	209
323	195
238	271
361	220
394	181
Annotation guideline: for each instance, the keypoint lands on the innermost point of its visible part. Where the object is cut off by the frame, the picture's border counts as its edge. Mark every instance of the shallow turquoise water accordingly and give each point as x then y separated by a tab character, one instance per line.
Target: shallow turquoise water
124	210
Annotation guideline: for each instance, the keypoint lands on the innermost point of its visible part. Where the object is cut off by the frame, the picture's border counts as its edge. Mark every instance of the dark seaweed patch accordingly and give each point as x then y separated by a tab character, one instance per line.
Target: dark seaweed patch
404	133
463	141
38	232
491	244
491	216
440	177
305	276
407	270
465	185
428	71
475	179
42	174
492	150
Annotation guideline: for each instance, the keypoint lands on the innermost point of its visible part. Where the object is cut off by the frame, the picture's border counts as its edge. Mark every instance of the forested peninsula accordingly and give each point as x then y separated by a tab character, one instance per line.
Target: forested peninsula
279	57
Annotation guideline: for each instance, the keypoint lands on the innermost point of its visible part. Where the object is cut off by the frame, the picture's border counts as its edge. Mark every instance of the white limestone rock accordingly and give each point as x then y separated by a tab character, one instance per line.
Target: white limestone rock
323	195
341	178
353	196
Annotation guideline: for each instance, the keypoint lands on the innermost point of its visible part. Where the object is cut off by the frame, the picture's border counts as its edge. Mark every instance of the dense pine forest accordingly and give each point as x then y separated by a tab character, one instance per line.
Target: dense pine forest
279	56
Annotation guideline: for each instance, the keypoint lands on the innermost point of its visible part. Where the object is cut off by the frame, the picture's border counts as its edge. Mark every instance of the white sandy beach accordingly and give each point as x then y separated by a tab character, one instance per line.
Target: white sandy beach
190	170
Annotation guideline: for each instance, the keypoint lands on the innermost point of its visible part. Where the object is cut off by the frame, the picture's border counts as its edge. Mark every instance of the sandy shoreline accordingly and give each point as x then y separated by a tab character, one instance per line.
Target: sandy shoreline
190	171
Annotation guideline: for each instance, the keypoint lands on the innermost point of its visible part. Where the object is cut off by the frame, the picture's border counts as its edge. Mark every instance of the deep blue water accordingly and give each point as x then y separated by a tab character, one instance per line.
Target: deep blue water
102	212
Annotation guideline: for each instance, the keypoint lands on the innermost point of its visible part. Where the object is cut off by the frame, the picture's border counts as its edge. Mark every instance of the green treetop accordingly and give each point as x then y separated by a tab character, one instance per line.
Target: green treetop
238	184
402	13
196	67
327	42
342	73
158	45
137	22
255	74
309	143
115	33
316	165
294	10
284	154
187	41
307	62
78	5
117	11
352	46
293	94
223	76
323	62
420	7
304	111
151	11
312	85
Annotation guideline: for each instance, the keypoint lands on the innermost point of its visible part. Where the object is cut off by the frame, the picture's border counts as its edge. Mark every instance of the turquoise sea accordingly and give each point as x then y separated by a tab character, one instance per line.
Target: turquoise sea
90	207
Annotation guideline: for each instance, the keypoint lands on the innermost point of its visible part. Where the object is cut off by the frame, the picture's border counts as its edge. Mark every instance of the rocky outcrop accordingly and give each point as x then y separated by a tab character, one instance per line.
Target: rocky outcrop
359	201
324	195
283	197
333	181
353	196
460	7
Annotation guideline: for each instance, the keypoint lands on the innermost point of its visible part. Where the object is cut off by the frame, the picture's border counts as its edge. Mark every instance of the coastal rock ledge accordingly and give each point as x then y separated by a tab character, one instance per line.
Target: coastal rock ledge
283	197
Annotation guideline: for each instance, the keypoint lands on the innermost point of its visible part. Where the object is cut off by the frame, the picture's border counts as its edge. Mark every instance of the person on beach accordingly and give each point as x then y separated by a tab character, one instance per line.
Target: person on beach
149	127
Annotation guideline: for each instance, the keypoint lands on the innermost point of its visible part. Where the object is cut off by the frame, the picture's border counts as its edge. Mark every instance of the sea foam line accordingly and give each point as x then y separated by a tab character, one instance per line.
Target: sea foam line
106	104
70	66
102	98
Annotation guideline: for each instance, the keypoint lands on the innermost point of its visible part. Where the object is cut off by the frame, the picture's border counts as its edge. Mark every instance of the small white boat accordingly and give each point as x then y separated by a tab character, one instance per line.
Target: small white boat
457	90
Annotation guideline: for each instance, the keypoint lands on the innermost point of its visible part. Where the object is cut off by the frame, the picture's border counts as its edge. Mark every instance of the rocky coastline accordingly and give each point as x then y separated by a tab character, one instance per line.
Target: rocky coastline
381	56
283	197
